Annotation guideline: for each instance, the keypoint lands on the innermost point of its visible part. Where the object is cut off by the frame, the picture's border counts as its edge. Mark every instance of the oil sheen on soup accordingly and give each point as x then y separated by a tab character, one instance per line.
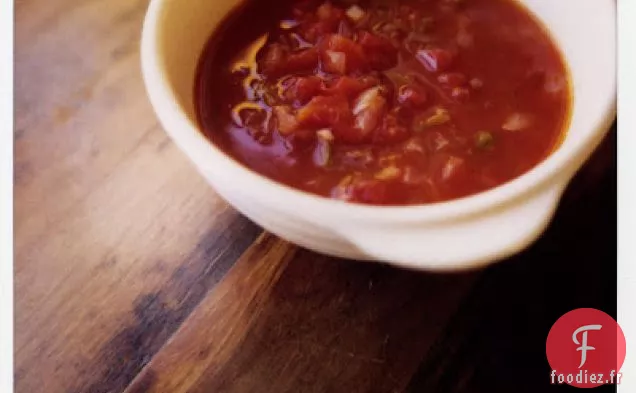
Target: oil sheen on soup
384	102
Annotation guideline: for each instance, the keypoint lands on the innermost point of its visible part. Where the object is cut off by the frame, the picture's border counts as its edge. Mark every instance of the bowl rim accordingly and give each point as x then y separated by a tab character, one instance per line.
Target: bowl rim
553	170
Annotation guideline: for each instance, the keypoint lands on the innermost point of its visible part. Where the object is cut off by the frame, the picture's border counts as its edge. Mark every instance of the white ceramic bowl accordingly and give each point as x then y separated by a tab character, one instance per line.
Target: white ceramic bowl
463	233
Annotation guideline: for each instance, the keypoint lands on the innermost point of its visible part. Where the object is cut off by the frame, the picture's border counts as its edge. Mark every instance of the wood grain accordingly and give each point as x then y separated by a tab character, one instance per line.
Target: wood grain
320	325
116	237
132	275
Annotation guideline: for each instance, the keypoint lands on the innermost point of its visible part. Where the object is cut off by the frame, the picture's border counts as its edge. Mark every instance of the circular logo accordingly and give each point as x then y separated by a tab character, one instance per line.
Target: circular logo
585	348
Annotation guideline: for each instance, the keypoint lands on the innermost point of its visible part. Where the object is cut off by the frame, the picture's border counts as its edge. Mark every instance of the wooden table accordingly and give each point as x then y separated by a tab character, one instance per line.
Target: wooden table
133	275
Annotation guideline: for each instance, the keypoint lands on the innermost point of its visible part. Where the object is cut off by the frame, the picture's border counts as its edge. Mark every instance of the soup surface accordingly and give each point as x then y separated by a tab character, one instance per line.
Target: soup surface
384	102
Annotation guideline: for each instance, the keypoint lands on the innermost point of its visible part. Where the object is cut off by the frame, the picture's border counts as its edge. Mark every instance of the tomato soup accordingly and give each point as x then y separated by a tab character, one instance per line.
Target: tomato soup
384	102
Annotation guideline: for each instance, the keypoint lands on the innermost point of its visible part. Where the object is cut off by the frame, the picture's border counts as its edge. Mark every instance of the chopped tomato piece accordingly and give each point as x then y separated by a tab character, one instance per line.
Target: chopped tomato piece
412	96
335	62
287	122
330	111
380	51
435	60
328	21
350	87
354	54
303	60
278	61
372	41
351	135
302	89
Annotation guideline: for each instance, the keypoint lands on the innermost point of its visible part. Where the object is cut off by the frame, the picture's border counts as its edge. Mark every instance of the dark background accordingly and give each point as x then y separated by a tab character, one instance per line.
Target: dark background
496	343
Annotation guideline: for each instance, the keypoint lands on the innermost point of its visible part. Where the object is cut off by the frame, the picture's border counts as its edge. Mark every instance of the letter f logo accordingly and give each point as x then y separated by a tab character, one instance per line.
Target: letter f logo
584	347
